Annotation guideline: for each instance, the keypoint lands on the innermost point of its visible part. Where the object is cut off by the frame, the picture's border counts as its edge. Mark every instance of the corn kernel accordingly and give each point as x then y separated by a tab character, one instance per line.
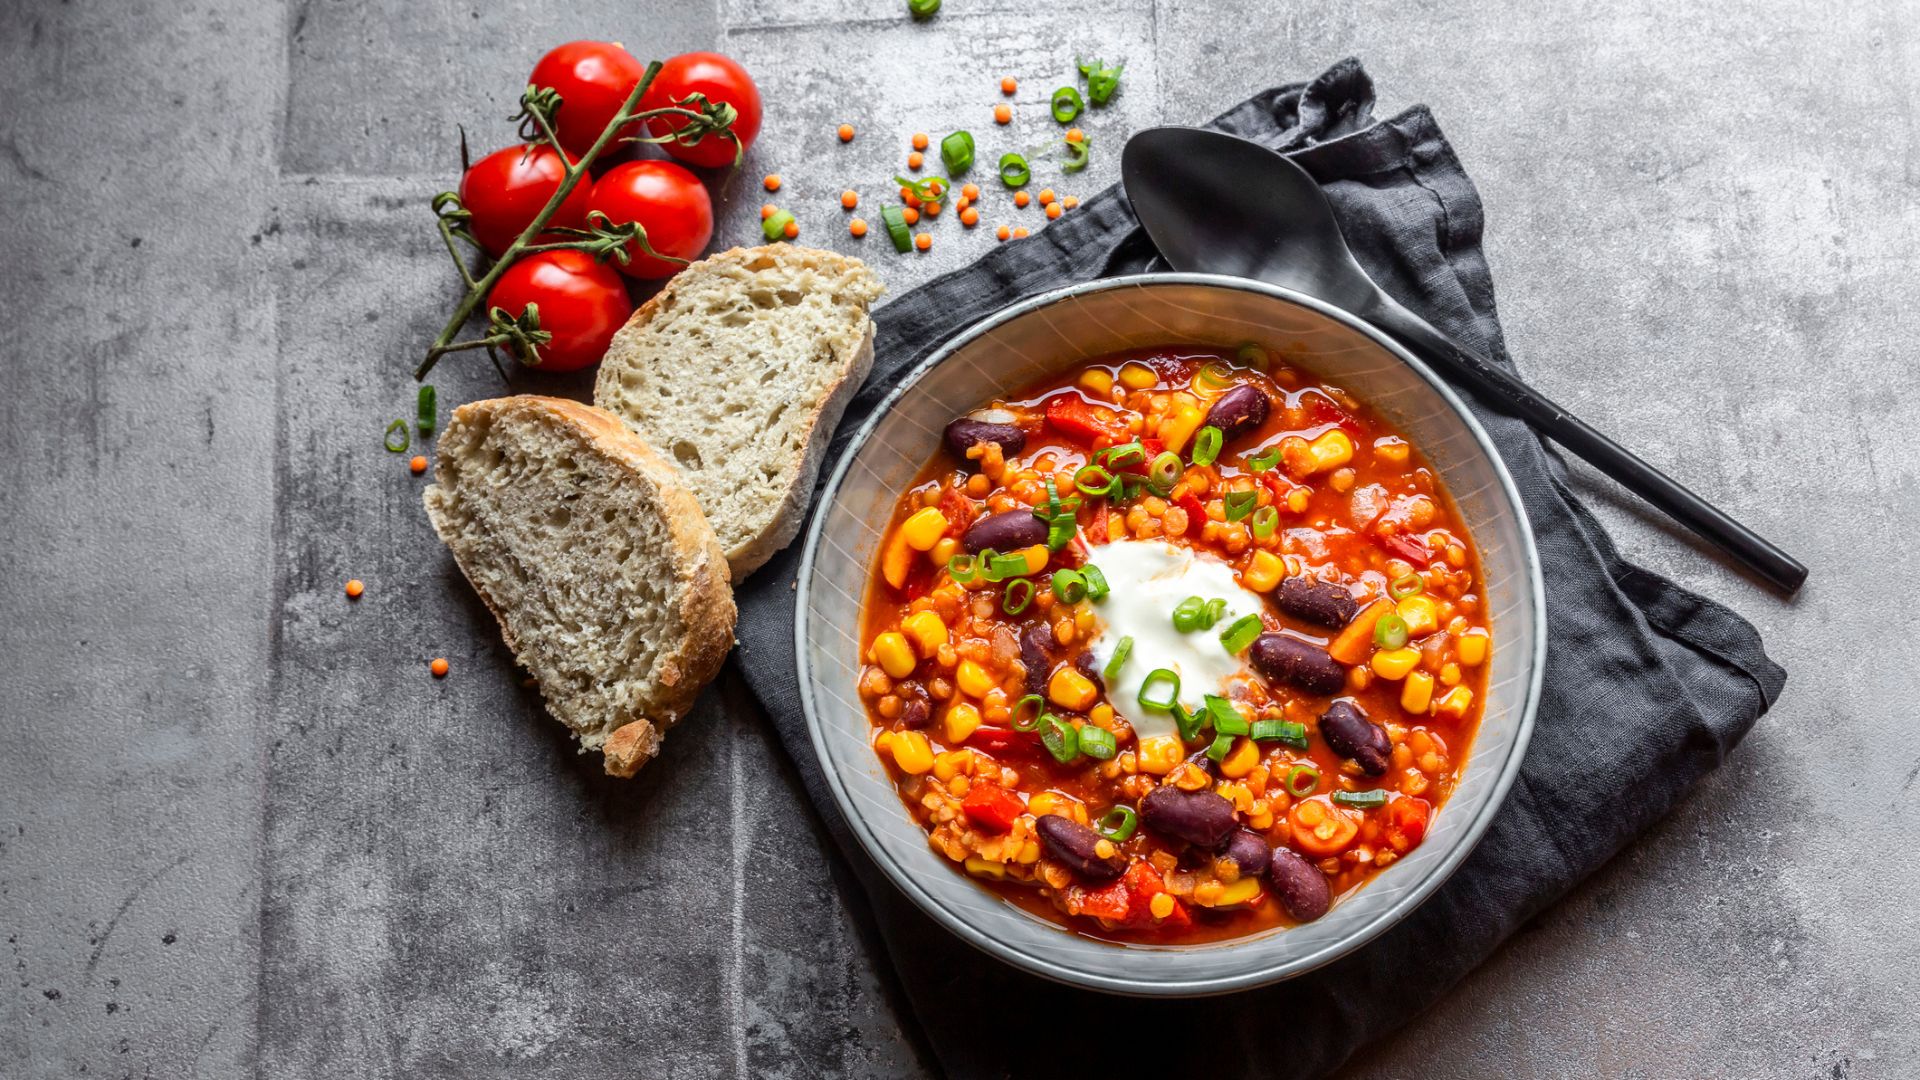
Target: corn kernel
980	867
1450	674
973	679
944	549
1071	690
924	529
953	763
911	752
1137	376
1392	450
1036	557
1330	451
1456	703
1393	664
1161	905
1240	892
1207	893
1097	380
926	630
1101	716
1263	572
1178	427
1029	853
1190	777
1472	649
1417	693
1045	803
1241	759
1158	754
894	655
1422	614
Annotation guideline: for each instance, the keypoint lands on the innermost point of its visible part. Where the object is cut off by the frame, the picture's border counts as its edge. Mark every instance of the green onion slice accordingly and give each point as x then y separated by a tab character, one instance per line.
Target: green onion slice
963	568
1102	80
1094	480
1209	615
1406	585
923	9
1069	586
1119	457
427	410
1216	373
1241	634
775	226
1264	460
1098	743
1019	594
1302	781
1059	737
1118	823
1189	723
1027	712
1164	472
1096	582
1067	104
1188	613
1253	356
1390	631
1241	503
1282	731
398	427
1376	797
1265	520
1221	744
927	189
1002	567
1117	660
1226	718
1078	154
1014	171
1163	676
895	219
1206	445
956	151
1060	531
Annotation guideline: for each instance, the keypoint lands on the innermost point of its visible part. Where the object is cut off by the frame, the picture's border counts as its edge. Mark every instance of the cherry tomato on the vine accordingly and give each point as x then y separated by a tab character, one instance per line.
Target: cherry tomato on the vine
669	203
508	188
594	79
582	303
720	79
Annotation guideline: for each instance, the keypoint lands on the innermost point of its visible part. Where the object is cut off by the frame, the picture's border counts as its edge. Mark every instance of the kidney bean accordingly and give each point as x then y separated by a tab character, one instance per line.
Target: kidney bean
967	432
1351	735
1036	655
1322	603
916	713
1238	411
1074	846
1249	852
1201	818
1005	532
1301	887
1288	659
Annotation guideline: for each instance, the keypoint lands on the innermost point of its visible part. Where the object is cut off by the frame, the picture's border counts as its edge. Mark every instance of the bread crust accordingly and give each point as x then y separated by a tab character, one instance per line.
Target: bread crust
705	595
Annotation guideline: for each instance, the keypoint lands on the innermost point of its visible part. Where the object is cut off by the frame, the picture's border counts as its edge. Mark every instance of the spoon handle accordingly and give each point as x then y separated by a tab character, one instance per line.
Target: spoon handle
1501	388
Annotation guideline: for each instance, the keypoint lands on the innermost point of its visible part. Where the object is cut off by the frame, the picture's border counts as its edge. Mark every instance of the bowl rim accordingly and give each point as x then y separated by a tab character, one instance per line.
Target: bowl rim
1196	987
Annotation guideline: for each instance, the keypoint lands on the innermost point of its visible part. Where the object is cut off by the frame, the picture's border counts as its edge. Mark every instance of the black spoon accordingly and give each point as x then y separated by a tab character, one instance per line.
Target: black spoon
1219	204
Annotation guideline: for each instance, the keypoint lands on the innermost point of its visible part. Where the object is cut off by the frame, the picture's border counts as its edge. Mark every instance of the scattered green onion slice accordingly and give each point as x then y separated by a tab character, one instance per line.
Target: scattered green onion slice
956	151
1096	582
427	410
1118	823
923	9
1226	719
1376	797
1060	531
1216	374
1215	608
1406	585
1283	731
1189	723
963	568
1053	501
1014	171
1222	743
1164	472
1102	80
1069	586
1067	104
1241	503
1094	480
406	440
1019	594
1302	781
1265	520
1264	460
1002	567
1098	743
1188	613
1078	154
1206	445
927	189
1390	631
1253	356
1026	712
1059	737
895	219
1119	457
1160	676
1241	634
775	226
1118	660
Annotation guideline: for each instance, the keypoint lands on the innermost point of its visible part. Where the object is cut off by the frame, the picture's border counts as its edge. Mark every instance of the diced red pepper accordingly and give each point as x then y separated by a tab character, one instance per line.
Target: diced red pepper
1078	419
1196	513
1112	902
999	740
1324	411
957	509
1154	448
990	806
1404	546
1097	528
1407	819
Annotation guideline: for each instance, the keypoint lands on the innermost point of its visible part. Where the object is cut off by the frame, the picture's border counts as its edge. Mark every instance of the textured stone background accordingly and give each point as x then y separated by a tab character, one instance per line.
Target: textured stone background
242	833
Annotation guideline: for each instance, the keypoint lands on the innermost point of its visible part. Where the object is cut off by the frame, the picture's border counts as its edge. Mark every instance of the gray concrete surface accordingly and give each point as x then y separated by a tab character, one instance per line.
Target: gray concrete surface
242	833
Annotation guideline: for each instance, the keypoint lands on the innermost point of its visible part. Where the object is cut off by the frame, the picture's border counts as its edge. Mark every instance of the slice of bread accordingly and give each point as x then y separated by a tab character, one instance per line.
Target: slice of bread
738	371
605	577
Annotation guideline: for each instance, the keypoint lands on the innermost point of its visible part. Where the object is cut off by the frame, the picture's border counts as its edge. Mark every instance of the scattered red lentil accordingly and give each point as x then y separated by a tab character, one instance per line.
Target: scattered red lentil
910	216
919	140
857	227
768	211
1070	202
1076	135
1021	198
438	667
1003	232
354	588
1002	114
923	241
914	160
772	182
849	199
1019	232
418	464
969	217
971	191
846	132
793	228
1008	85
1046	196
1053	211
931	209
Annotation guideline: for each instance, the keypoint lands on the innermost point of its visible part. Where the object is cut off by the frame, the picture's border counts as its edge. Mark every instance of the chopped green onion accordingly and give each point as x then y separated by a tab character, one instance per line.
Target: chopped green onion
1014	171
963	568
1119	457
1265	520
1160	675
1221	744
1188	723
1096	582
1067	104
427	410
1264	460
1302	780
923	9
1078	154
774	226
1241	503
1098	743
1118	823
1069	586
956	150
1060	531
1283	731
1053	501
1226	718
895	219
928	189
1406	585
1118	659
1253	356
1019	594
1241	634
1059	737
1390	631
1094	480
1102	80
406	439
1216	607
1164	472
1206	445
1216	374
1023	720
1376	797
1001	567
1188	613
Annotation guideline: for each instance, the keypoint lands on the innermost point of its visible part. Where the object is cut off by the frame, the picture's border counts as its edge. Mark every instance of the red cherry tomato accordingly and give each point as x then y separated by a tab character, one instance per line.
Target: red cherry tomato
594	79
582	303
508	188
720	79
668	201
